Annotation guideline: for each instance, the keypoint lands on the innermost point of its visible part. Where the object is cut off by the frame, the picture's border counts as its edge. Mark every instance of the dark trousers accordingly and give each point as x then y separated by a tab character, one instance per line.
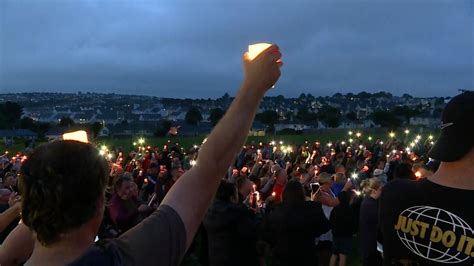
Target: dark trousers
374	259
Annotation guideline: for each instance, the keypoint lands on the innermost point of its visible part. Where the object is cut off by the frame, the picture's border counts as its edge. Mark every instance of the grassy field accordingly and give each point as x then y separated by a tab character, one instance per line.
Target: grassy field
325	136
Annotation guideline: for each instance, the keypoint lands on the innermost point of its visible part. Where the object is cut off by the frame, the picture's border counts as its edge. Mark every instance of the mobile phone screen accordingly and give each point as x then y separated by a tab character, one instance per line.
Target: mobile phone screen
315	187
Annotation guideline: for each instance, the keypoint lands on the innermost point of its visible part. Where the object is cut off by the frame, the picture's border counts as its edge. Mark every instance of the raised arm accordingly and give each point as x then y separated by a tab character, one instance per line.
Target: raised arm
9	215
17	247
192	194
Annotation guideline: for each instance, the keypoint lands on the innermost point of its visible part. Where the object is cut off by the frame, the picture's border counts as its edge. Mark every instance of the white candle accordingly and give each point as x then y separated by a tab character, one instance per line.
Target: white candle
256	49
80	136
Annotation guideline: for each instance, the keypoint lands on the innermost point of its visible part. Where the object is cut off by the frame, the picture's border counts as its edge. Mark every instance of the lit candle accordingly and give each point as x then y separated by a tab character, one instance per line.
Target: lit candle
256	49
80	136
418	174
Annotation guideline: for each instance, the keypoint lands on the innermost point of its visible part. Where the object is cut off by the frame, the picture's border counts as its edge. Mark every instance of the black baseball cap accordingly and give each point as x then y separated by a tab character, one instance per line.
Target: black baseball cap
457	129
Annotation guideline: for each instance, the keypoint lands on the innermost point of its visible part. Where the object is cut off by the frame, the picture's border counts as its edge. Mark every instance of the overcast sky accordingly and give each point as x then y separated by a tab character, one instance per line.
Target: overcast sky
193	48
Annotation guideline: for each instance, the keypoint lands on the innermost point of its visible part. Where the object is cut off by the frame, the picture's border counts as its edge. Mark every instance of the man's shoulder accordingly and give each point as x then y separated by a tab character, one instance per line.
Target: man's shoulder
104	252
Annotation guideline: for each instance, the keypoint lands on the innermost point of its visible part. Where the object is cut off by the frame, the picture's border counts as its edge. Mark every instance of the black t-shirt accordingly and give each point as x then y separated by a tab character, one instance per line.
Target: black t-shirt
424	223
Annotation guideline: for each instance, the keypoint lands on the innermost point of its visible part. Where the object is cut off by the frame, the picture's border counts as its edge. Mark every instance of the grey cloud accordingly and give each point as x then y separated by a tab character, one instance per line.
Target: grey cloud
193	48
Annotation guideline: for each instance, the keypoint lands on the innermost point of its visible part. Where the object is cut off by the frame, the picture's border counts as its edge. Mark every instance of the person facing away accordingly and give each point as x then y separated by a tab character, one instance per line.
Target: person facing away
63	185
368	223
343	226
231	229
431	221
292	227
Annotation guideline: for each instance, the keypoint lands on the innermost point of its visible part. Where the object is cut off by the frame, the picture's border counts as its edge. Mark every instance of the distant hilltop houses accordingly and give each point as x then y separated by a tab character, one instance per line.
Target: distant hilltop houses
124	115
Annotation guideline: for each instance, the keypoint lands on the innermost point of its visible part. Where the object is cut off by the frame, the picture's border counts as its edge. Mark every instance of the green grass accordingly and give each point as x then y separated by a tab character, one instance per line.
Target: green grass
324	137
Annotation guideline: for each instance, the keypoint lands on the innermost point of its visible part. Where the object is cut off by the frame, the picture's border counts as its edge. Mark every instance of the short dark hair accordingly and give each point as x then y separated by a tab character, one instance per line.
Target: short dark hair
225	191
240	181
403	171
293	192
60	185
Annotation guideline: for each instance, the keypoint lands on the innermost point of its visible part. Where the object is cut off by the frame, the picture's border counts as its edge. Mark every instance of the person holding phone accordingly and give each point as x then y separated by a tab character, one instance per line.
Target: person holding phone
292	227
231	229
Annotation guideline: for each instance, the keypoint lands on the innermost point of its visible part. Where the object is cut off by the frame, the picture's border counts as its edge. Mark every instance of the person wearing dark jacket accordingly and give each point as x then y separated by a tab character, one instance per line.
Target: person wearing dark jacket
372	189
231	230
292	227
343	225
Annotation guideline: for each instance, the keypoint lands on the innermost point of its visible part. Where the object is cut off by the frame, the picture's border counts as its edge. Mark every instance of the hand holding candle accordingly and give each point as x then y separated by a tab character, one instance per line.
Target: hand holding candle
256	49
261	67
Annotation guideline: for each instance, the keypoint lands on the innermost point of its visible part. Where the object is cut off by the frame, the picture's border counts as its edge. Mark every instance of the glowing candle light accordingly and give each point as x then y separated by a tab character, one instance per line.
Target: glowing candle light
370	138
430	137
392	134
350	133
256	49
141	140
418	174
358	134
274	194
407	131
80	136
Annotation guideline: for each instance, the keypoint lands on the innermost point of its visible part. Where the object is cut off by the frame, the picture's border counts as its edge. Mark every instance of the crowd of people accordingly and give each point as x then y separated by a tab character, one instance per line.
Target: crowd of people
277	204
